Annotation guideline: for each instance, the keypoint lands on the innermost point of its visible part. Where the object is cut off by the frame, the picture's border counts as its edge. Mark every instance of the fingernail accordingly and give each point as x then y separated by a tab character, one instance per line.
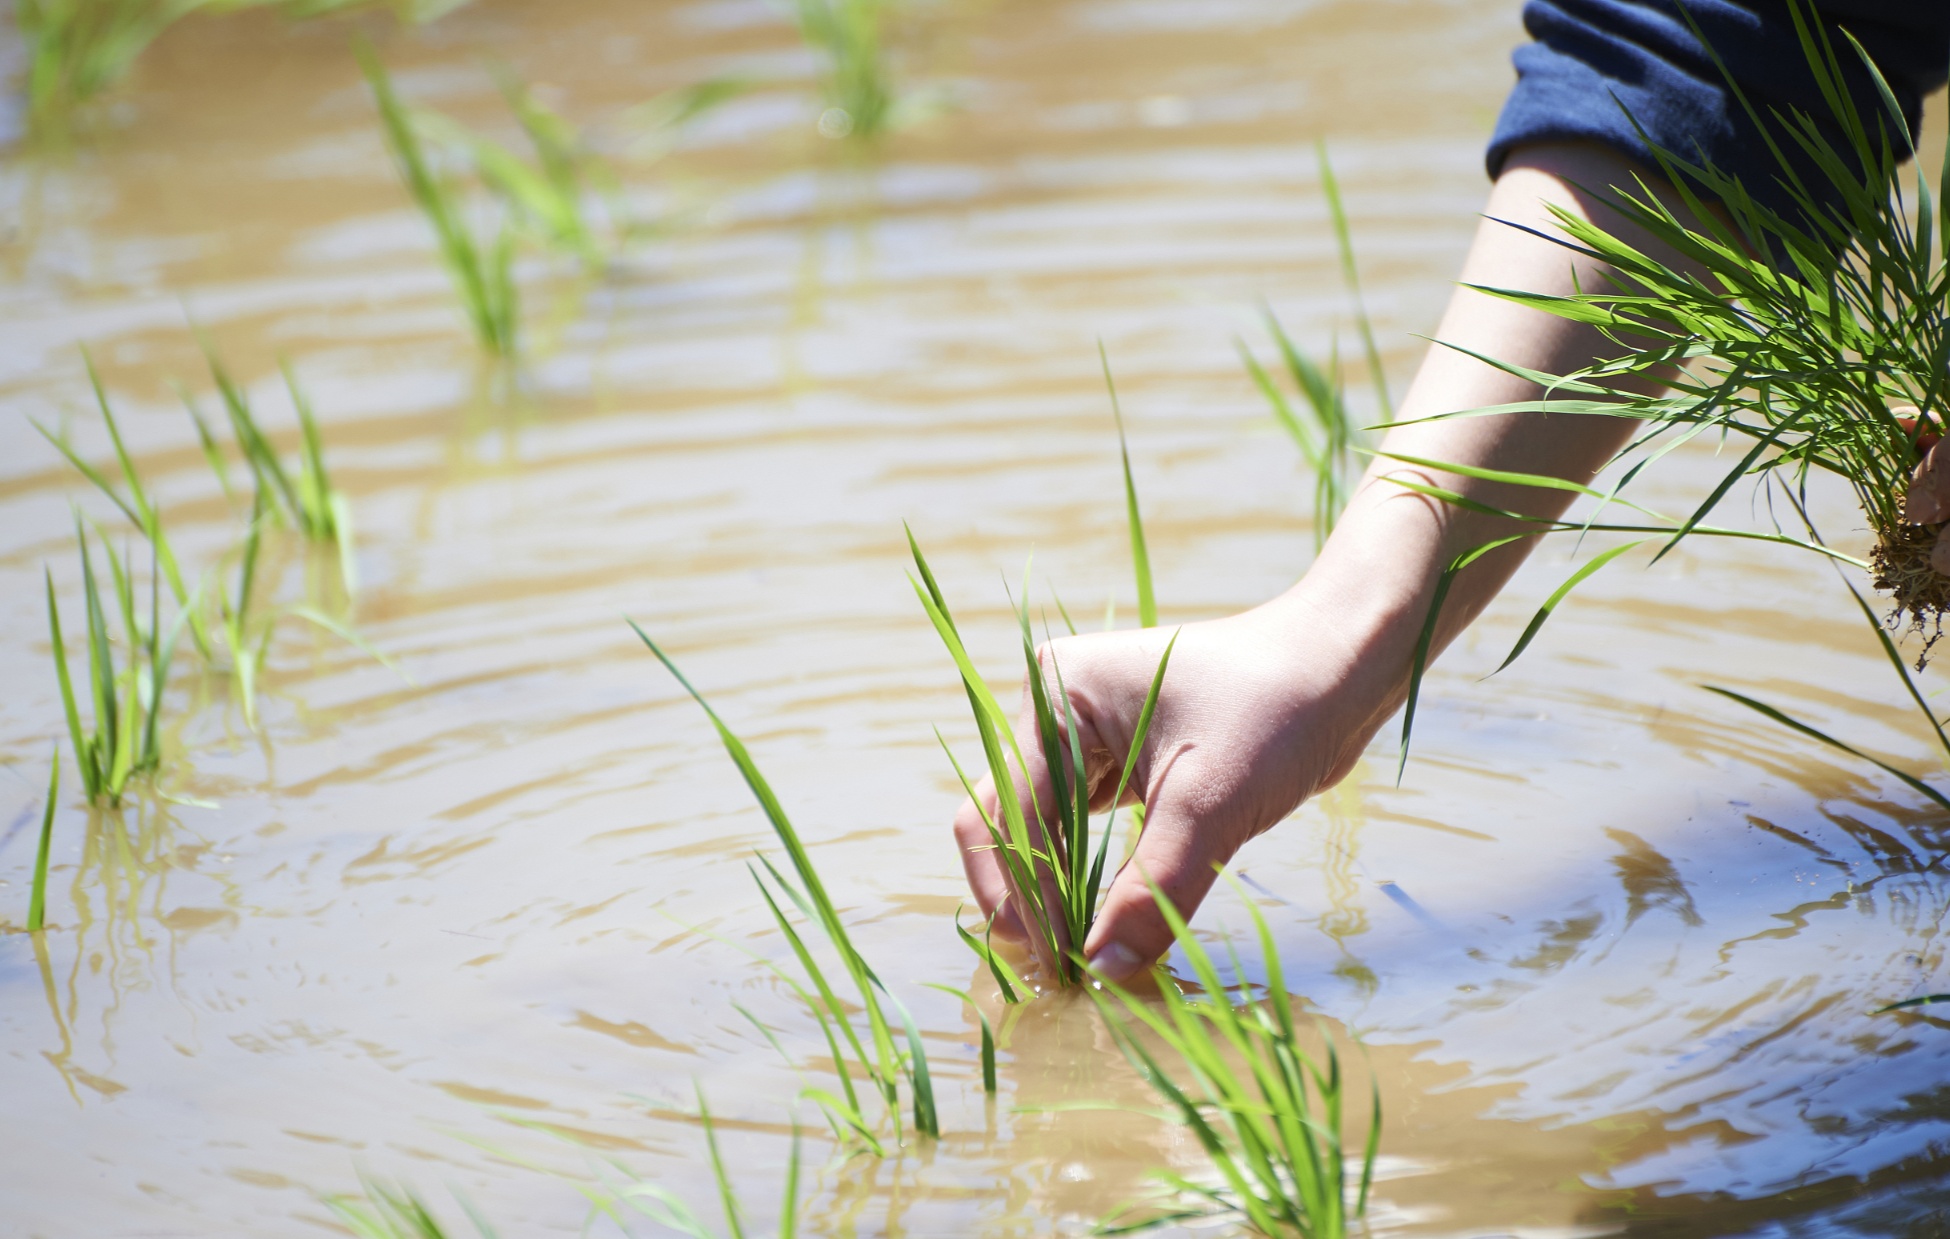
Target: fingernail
1116	963
1923	505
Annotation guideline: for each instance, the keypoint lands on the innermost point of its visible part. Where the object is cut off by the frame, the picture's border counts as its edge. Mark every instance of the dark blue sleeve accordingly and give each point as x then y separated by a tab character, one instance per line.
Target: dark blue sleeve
1592	56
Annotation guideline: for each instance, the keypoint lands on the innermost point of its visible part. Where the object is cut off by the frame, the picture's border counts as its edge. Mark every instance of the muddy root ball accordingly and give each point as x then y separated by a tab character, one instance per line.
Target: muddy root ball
1921	593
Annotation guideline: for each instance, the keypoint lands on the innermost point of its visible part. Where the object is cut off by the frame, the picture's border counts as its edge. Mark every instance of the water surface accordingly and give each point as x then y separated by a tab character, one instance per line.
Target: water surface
1611	945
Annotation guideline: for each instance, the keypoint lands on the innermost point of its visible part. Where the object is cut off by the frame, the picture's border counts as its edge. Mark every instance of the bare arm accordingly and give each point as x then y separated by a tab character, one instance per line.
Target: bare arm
1264	709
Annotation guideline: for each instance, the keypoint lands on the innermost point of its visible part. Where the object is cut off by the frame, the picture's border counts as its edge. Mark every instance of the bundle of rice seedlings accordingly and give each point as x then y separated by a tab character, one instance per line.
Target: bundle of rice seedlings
1268	1114
121	740
1818	336
1055	875
887	1063
483	271
1052	872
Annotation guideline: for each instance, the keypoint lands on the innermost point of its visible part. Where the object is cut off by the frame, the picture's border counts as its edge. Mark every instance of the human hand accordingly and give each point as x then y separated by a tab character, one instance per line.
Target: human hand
1251	720
1928	500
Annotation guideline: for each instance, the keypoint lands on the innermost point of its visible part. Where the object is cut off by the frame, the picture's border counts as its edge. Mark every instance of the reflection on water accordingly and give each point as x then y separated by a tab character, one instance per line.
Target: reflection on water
1611	950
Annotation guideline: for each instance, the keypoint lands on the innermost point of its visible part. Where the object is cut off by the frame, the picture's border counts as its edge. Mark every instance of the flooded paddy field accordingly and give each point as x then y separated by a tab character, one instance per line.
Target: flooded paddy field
1610	947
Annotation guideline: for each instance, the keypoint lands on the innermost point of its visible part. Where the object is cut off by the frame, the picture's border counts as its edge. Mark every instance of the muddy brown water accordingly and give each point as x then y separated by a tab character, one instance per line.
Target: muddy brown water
1611	945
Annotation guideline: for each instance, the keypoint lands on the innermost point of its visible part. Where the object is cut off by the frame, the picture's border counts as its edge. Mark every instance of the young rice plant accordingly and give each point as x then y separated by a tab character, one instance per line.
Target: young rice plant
887	1063
669	1210
851	36
1049	863
1268	1115
303	498
389	1211
121	740
37	896
483	272
138	506
75	49
1328	439
546	199
1055	875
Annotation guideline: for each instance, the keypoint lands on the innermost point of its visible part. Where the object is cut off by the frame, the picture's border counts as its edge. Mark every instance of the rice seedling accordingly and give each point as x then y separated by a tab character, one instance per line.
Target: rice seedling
139	507
1819	336
390	1211
654	124
122	740
75	49
246	641
418	12
1134	521
1328	440
669	1210
1267	1113
887	1064
544	199
851	35
482	271
988	1032
1054	875
303	498
1330	186
37	898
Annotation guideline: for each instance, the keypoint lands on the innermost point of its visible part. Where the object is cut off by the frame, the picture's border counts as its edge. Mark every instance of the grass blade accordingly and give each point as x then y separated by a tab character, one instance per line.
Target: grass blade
83	756
1140	556
1762	708
1419	666
37	900
1550	604
1351	273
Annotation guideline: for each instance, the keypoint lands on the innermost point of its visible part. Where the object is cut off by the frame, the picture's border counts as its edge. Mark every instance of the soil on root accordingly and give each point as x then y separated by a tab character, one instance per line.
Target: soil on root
1921	593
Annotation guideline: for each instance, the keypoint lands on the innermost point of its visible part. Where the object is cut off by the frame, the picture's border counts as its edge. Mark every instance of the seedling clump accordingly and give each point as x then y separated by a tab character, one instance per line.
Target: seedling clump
121	740
888	1063
1267	1113
482	270
1329	439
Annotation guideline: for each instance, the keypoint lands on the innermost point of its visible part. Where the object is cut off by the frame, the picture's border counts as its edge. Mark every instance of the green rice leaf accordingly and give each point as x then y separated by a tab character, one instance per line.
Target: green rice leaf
1006	981
37	899
1426	638
1350	272
1907	1003
1550	604
1925	789
1140	556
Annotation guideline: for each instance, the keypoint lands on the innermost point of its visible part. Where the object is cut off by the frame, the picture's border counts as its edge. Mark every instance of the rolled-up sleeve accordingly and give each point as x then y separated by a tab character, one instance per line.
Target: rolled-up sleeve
1602	70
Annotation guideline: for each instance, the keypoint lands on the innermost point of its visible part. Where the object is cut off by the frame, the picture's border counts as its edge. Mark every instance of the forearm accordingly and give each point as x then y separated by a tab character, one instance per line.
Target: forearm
1377	575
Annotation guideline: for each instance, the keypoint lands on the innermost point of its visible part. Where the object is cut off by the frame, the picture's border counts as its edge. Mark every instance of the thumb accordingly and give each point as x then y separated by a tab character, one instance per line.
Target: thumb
1181	859
1928	499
